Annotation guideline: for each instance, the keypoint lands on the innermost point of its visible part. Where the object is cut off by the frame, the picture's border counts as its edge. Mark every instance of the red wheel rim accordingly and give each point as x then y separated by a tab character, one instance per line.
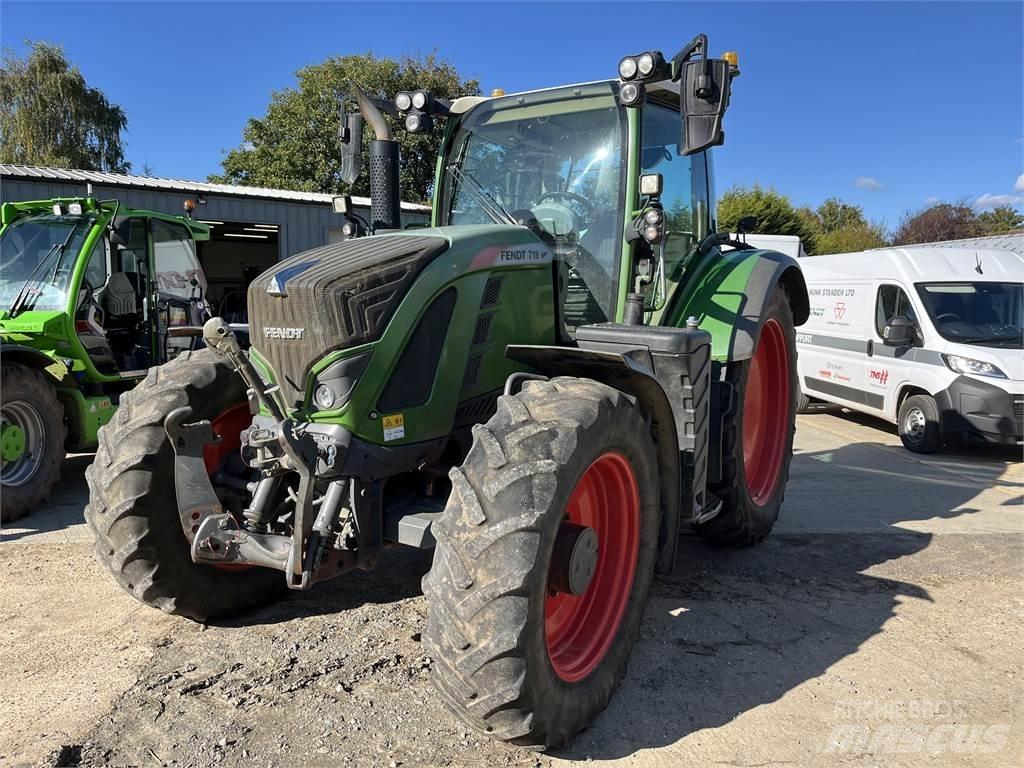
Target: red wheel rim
579	629
766	404
229	425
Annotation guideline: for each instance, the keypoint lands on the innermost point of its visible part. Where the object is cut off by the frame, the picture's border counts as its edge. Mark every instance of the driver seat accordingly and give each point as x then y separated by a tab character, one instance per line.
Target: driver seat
119	296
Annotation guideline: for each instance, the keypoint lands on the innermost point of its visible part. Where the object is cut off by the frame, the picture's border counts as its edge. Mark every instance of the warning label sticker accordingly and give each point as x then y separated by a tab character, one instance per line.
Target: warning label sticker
394	427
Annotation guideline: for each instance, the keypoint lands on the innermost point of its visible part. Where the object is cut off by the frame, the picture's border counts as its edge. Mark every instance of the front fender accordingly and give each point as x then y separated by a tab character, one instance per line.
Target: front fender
626	375
34	358
727	292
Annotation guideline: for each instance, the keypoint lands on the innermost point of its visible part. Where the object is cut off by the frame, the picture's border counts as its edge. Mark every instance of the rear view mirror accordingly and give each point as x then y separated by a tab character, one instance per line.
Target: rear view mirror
705	97
351	136
899	332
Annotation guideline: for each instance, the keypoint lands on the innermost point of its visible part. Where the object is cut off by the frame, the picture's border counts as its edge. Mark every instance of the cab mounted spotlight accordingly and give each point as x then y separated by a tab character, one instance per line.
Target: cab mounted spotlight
652	66
632	94
403	101
419	122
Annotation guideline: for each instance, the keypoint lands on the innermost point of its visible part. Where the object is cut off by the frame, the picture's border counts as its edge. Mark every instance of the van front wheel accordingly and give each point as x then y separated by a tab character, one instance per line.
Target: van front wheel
919	424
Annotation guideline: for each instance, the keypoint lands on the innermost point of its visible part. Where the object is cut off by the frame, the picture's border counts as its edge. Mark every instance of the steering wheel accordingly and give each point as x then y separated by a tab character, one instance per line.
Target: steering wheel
587	205
951	315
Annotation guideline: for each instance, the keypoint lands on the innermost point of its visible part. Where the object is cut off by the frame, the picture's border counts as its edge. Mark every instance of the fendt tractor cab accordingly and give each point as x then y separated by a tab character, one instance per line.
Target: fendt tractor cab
88	291
545	386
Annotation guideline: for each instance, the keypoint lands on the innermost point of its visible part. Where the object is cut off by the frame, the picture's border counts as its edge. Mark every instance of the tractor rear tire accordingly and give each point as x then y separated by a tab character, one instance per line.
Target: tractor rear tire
515	656
132	506
30	406
757	436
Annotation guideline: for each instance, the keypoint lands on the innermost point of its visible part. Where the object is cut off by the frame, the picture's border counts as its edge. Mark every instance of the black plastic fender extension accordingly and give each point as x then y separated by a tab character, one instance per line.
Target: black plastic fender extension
668	370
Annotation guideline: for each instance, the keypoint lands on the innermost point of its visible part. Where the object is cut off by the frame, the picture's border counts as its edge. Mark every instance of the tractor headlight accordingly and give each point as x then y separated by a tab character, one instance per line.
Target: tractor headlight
653	216
972	367
652	233
413	122
348	229
632	94
324	396
75	209
403	101
628	68
645	64
419	100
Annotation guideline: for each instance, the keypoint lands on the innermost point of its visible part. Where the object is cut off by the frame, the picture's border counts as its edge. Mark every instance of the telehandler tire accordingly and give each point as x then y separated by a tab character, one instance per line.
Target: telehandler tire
32	436
521	651
132	504
757	436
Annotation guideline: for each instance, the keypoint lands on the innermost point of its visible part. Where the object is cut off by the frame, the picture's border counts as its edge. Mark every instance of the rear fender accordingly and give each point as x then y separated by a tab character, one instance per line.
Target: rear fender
728	293
632	377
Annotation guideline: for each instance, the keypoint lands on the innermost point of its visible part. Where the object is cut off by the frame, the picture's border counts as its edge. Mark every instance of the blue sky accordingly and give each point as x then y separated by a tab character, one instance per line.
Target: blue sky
887	105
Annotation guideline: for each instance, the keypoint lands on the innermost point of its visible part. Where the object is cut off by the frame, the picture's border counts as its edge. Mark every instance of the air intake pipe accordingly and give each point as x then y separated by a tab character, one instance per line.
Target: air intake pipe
384	192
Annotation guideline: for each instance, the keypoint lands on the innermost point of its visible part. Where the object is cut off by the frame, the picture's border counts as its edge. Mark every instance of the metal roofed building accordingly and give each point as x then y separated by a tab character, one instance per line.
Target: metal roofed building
251	227
1011	241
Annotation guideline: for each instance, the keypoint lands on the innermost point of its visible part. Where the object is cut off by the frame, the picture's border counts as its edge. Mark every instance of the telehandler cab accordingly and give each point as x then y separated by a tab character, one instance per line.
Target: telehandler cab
88	293
570	365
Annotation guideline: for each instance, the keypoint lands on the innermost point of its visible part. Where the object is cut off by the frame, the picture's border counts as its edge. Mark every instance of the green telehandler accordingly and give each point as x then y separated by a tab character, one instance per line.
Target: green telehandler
89	291
545	386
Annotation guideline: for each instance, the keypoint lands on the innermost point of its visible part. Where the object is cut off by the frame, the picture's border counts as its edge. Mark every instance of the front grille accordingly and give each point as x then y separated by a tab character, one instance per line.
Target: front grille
335	297
1018	408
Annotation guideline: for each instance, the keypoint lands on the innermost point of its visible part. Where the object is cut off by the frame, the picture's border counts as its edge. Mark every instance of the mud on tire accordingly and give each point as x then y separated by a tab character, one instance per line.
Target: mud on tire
742	520
489	580
132	509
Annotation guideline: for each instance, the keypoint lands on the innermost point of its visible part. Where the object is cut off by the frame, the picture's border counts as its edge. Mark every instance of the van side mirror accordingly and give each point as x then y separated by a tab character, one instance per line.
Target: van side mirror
898	332
705	88
351	136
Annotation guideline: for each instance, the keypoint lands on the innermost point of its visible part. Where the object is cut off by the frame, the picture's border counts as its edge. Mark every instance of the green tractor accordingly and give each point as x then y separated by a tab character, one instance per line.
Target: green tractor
569	367
88	293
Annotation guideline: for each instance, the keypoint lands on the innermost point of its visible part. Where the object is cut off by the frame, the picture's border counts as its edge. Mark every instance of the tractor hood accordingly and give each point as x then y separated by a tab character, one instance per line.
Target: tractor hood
334	297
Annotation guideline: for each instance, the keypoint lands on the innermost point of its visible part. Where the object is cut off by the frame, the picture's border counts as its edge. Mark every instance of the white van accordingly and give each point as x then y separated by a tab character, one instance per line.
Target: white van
928	338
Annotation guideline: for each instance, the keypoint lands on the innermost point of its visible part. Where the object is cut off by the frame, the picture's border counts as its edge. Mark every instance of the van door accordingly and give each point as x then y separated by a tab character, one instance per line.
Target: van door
890	368
833	344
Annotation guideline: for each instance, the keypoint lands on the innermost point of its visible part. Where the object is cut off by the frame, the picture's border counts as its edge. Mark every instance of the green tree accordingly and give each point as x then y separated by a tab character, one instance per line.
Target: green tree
1000	220
295	144
851	238
774	212
50	116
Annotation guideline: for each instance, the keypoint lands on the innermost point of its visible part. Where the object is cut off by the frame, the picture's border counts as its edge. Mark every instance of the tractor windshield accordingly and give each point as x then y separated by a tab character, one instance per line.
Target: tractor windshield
37	259
555	160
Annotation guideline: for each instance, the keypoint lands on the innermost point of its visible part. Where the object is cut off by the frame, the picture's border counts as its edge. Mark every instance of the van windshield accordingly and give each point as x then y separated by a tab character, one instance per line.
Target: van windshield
988	314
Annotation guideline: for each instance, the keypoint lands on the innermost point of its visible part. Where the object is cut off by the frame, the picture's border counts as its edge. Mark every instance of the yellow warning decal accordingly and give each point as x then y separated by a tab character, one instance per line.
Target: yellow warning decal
394	427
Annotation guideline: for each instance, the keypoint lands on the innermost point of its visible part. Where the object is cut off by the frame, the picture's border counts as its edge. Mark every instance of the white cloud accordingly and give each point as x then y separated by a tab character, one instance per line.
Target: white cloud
931	200
993	201
868	183
1019	186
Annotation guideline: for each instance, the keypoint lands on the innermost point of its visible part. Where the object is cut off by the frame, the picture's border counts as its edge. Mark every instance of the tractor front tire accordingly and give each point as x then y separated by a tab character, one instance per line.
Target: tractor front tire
132	506
516	655
33	435
757	435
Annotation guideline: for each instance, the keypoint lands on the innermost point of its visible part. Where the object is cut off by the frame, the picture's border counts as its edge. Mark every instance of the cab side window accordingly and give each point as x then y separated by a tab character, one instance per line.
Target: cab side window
96	269
892	301
175	258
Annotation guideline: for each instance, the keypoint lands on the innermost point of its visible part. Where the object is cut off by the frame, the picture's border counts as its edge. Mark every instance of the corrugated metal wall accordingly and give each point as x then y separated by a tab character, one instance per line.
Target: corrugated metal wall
302	225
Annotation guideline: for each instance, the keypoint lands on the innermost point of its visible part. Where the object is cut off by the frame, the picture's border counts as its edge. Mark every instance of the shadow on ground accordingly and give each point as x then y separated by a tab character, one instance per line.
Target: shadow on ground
1006	453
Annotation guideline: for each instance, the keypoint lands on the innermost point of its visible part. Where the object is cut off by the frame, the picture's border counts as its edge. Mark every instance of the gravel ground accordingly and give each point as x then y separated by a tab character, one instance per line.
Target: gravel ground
879	625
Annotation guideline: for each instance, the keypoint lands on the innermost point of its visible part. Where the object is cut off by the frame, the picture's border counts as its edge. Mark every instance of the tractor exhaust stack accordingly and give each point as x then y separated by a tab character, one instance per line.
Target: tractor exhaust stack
384	191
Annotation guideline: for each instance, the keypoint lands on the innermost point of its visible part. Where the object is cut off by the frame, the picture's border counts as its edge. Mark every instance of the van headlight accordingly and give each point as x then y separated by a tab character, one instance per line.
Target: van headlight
972	367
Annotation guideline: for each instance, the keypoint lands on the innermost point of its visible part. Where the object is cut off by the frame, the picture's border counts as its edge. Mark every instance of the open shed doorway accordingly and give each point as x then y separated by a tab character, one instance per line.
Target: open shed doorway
233	256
